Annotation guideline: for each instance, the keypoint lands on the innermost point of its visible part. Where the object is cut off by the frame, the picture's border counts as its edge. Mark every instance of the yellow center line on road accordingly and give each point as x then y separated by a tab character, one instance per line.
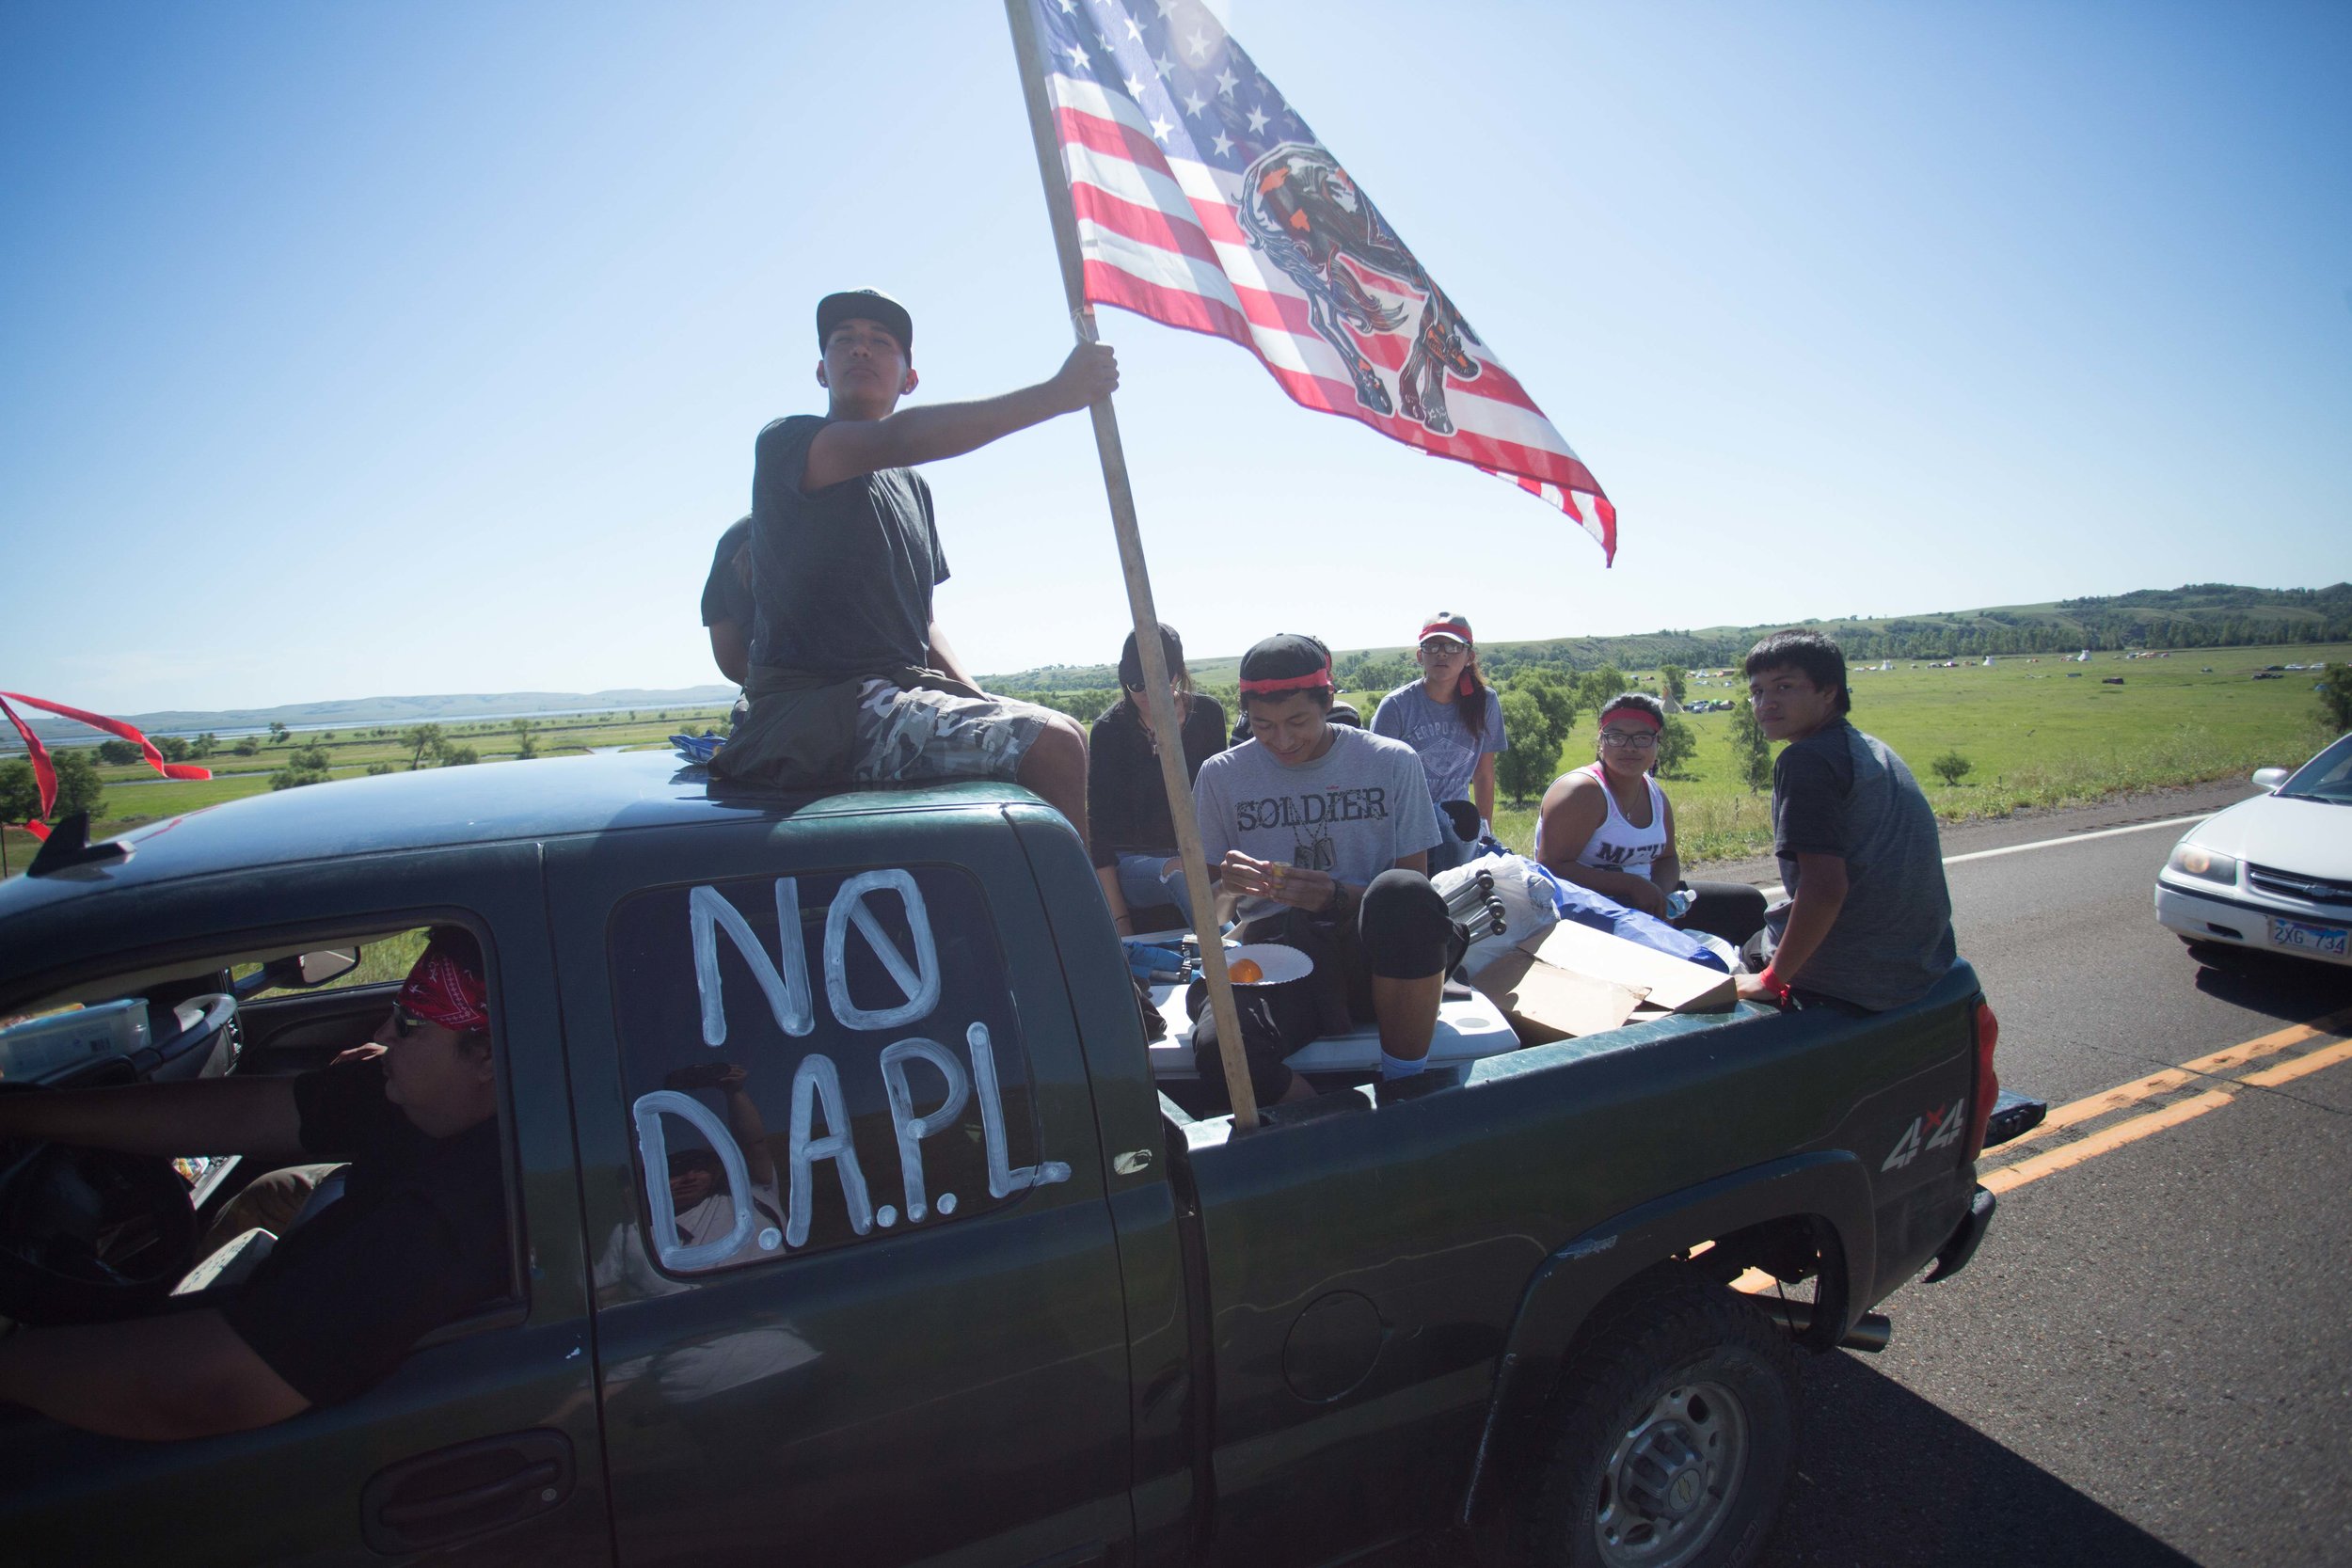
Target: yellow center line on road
2008	1177
2106	1138
2125	1095
2286	1072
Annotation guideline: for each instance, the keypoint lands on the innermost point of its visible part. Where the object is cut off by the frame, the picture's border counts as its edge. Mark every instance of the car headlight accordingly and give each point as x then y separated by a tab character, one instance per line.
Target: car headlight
2194	859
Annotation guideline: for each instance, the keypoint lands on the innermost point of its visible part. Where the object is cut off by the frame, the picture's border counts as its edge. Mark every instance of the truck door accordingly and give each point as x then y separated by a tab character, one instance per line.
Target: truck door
857	1294
482	1447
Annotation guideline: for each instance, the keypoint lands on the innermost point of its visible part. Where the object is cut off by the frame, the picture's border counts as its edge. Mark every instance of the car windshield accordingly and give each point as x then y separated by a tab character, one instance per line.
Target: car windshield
2326	777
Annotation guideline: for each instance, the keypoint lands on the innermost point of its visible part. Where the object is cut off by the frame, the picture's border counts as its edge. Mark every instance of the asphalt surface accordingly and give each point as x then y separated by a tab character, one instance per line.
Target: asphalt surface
2149	1361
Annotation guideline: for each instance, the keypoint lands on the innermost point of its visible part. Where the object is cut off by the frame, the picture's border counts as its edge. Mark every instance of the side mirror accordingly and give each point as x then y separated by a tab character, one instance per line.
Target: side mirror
311	969
2269	778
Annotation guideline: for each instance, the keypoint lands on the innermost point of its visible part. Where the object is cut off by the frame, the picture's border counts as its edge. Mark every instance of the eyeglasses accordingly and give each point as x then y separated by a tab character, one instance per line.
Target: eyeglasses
405	1023
1445	646
1632	741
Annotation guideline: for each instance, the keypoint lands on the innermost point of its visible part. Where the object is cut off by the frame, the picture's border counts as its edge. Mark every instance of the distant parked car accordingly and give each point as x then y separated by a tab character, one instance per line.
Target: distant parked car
2273	874
2271	675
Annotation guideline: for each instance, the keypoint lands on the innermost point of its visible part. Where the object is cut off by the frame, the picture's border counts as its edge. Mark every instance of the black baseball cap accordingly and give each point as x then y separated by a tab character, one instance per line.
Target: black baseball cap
1287	661
865	304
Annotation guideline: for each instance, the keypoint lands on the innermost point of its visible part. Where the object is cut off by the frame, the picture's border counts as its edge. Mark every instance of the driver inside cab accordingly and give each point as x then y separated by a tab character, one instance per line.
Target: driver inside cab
416	1240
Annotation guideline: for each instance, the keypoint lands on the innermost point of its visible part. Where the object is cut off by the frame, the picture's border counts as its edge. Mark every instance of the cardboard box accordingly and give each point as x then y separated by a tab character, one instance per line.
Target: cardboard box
1576	981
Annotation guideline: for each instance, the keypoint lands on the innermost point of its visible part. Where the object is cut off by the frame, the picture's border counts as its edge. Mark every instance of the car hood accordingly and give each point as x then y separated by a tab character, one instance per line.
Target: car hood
2308	836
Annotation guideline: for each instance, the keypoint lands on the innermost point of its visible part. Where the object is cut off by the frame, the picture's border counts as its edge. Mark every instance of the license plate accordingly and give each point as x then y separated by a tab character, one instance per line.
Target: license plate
2330	940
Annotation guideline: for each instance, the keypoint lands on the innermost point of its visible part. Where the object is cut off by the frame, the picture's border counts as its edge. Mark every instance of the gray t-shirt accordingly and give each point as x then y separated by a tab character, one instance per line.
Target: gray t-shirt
1449	752
1353	812
843	578
1840	792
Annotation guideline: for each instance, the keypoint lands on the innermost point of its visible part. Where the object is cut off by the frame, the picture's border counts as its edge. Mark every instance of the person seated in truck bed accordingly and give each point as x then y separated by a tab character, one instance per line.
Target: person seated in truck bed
851	679
728	613
1318	836
1609	827
417	1239
1869	922
1131	833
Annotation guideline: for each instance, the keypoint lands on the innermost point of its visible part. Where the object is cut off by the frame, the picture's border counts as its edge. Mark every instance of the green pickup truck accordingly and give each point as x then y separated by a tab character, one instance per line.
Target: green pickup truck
851	1226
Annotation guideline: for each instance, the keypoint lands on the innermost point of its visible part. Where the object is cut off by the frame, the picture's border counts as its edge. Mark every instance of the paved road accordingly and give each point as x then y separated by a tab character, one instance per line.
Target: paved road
2148	1363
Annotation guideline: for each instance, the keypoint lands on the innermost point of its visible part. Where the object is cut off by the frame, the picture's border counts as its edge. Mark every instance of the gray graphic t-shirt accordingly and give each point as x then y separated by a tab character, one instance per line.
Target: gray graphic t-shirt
1449	752
1352	812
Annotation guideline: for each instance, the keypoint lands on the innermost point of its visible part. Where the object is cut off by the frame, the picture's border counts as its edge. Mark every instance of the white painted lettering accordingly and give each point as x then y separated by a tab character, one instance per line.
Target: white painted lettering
814	1079
911	1129
1002	1182
708	912
917	982
653	1148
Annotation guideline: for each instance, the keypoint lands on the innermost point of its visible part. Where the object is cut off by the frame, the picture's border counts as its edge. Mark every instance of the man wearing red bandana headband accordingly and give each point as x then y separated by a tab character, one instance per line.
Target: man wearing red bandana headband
404	1232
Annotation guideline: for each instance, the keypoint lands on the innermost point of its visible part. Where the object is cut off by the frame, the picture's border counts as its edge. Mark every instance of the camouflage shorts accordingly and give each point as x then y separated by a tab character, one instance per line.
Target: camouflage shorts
920	733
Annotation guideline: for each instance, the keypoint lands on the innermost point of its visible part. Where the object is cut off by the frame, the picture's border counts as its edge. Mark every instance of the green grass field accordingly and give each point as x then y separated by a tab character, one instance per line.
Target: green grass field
2039	730
135	795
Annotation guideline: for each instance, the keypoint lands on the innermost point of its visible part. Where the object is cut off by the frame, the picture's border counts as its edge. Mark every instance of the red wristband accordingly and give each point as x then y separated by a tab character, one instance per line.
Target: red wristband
1772	982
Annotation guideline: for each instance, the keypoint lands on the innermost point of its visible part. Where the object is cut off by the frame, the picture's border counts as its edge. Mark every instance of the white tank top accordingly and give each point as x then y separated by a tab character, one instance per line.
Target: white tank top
1617	845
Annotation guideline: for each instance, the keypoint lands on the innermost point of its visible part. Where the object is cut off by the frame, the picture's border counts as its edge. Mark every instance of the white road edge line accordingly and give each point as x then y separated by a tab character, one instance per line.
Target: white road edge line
1776	891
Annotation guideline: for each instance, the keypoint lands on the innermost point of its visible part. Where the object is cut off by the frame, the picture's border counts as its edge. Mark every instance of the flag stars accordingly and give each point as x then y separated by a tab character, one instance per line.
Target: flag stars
1069	8
1195	103
1134	87
1257	121
1078	57
1160	128
1168	7
1135	34
1165	65
1223	146
1197	45
1225	81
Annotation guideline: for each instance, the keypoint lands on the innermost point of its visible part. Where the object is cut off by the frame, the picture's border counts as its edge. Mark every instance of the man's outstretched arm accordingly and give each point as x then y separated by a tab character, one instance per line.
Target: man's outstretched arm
185	1374
203	1116
848	447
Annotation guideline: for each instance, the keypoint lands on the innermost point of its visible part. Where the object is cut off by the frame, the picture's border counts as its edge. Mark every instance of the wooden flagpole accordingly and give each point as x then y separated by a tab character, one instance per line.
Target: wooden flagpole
1159	701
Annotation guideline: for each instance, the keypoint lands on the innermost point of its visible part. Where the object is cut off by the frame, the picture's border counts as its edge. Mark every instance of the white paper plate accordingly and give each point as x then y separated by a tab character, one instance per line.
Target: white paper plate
1280	963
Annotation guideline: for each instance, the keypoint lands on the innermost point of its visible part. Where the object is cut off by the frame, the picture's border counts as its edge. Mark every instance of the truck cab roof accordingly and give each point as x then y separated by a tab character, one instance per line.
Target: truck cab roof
444	807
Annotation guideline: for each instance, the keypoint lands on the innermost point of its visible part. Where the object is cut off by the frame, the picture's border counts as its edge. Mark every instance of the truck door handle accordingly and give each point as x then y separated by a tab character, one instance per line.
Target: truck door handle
1134	1162
409	1517
452	1492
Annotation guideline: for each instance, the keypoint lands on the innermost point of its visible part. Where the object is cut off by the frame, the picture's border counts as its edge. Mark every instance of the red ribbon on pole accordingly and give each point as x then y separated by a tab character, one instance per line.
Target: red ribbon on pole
45	772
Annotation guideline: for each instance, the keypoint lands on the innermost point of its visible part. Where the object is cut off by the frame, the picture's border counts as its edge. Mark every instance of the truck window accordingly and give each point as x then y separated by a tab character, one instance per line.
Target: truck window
818	1059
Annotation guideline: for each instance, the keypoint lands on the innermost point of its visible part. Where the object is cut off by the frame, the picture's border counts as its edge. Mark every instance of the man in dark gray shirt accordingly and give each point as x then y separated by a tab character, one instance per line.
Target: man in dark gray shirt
851	679
1870	925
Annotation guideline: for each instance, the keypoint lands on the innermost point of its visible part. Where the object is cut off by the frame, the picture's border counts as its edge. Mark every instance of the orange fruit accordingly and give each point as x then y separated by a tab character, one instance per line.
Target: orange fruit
1247	973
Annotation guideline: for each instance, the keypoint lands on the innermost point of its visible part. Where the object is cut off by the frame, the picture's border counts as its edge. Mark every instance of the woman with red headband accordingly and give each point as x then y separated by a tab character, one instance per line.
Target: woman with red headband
1455	723
1610	827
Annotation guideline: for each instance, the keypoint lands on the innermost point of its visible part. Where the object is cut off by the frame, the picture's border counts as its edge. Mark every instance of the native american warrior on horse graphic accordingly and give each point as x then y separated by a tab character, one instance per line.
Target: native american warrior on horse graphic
1302	210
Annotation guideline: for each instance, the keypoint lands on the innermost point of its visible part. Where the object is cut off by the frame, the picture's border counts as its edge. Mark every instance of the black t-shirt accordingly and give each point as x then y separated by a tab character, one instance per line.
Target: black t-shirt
1126	803
727	591
417	1239
843	578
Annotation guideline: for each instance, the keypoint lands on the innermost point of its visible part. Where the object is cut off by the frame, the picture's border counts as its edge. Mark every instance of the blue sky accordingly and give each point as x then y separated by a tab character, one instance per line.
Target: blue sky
349	350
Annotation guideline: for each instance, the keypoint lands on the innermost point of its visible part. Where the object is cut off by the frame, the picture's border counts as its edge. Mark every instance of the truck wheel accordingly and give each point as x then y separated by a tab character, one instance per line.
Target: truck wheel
1671	1440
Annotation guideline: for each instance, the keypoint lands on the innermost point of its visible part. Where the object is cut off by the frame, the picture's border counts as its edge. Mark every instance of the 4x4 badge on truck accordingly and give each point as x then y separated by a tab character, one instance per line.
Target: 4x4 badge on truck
1943	1127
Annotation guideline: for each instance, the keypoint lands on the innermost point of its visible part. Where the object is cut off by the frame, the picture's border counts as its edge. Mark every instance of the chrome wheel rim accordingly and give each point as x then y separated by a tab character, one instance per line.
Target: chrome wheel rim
1671	1478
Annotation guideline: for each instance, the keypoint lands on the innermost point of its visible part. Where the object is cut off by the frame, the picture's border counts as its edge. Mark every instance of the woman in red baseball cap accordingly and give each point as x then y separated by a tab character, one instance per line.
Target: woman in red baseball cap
1609	827
1455	723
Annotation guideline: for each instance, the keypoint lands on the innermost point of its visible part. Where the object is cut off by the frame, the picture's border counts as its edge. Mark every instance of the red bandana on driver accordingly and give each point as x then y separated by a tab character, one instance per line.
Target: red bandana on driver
441	991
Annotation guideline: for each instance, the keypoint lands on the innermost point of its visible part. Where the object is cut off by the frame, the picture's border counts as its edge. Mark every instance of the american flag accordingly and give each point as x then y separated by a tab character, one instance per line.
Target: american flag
1205	201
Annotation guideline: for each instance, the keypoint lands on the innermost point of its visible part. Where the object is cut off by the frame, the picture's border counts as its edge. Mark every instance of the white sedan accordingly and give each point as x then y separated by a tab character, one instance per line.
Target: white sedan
2273	874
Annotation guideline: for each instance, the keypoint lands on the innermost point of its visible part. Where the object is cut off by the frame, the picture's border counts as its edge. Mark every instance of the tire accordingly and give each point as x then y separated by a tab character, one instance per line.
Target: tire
1671	1440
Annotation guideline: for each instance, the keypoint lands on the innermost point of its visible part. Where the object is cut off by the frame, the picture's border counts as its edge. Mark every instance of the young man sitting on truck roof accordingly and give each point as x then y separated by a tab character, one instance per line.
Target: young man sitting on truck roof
1869	922
416	1240
851	678
1318	835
